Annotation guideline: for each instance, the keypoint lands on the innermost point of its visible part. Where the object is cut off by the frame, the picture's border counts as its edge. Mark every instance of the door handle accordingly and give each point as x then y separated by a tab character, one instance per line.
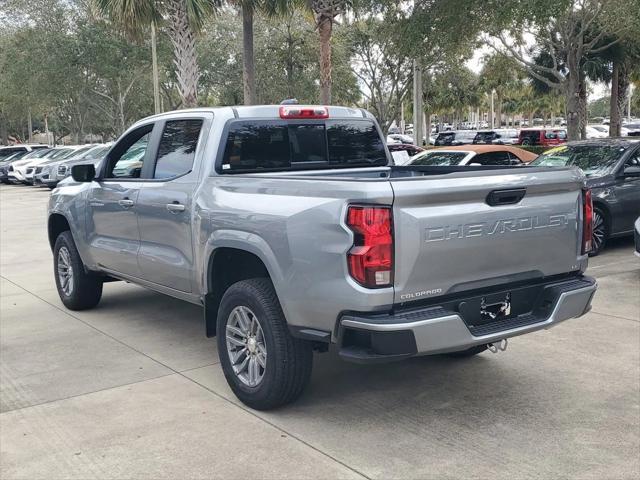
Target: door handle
175	207
126	203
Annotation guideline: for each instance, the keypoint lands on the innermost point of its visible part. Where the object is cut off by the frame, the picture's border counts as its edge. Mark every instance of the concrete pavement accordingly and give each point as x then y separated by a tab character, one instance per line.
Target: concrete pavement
133	389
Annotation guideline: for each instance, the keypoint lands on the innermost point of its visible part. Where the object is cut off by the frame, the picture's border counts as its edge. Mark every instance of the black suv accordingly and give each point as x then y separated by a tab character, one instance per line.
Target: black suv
455	137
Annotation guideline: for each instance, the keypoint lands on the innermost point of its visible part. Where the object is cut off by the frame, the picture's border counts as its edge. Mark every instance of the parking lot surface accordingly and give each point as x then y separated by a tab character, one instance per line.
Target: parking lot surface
133	389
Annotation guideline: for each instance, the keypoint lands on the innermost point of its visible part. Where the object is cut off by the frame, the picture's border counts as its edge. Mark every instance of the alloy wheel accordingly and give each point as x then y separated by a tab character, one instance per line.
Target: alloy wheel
65	271
599	231
246	346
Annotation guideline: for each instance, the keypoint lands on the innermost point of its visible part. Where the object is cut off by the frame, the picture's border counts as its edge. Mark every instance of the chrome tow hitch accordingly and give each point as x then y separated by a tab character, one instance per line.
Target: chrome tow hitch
495	347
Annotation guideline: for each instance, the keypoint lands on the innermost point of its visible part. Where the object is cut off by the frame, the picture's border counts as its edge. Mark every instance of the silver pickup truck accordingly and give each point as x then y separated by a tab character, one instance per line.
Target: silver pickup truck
292	228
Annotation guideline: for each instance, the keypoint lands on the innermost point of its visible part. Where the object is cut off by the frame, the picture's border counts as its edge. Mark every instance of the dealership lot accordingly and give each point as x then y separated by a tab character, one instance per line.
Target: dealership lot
132	389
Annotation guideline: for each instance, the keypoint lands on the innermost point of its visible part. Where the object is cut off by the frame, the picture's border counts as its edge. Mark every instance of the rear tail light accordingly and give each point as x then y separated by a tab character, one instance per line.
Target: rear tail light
296	111
370	260
587	221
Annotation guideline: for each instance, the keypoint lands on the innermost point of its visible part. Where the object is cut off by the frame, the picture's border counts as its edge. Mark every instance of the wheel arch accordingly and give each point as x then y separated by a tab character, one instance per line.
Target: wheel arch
226	266
56	224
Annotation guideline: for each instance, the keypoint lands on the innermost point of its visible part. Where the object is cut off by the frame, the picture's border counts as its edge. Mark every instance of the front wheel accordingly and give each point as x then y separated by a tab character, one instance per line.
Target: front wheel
263	364
77	288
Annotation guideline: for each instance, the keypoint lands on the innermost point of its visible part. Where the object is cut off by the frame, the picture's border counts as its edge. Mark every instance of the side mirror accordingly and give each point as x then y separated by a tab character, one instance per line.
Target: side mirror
83	173
632	171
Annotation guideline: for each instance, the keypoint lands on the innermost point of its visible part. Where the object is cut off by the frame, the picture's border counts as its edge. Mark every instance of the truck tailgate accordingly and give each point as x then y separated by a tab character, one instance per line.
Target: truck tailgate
452	234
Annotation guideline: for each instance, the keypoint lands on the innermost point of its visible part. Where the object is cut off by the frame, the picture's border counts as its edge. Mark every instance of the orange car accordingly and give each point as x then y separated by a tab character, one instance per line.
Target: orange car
473	155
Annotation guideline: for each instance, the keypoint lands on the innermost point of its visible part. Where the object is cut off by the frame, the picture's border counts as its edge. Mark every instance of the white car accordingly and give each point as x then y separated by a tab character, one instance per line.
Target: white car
17	170
399	138
597	131
61	153
472	155
6	152
53	172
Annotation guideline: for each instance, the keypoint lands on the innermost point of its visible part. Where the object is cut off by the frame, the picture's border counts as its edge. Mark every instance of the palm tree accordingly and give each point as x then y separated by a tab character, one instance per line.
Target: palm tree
249	8
183	19
325	12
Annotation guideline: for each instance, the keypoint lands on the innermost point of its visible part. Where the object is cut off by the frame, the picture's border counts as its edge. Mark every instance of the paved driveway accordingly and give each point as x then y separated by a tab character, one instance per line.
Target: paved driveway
133	389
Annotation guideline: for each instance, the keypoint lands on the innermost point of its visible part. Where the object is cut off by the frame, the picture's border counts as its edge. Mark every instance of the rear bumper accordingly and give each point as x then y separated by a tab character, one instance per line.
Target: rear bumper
371	338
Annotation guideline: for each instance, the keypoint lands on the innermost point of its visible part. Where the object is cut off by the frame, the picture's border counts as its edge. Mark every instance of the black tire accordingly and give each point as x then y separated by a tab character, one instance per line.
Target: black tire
469	352
288	360
85	288
600	231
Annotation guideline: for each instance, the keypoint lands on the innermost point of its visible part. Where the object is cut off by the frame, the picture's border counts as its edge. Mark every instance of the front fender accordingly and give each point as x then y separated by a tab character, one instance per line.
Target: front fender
70	202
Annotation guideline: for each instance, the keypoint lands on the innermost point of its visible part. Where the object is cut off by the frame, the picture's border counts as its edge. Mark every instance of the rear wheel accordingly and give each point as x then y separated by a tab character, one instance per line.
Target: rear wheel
600	233
78	289
469	352
263	364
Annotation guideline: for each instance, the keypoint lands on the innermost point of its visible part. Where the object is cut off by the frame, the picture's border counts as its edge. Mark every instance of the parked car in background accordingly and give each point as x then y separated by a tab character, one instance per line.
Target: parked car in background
633	129
399	138
17	170
597	131
473	155
6	161
32	167
54	172
546	137
501	136
402	152
45	166
11	149
455	137
612	167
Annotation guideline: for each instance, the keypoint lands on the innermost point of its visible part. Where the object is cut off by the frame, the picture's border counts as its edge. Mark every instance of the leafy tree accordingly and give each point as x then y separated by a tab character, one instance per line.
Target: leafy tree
502	75
248	9
285	61
381	66
115	90
580	29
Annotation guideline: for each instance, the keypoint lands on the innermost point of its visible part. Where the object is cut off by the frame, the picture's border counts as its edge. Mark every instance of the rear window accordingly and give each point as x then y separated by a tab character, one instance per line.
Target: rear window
278	145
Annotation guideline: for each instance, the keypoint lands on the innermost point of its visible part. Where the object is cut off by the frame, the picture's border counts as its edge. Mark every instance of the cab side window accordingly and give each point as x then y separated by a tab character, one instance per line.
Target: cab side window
177	148
127	157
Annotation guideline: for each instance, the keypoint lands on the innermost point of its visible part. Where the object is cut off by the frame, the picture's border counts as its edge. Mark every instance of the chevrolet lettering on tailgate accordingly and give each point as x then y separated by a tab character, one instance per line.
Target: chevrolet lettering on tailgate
500	227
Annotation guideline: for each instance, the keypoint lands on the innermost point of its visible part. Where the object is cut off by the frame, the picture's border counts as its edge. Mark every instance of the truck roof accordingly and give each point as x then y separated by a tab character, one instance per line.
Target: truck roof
268	111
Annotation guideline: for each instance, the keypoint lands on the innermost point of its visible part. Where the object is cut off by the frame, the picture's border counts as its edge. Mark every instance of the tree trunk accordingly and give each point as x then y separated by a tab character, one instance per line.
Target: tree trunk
184	52
584	114
248	60
427	115
624	83
30	126
614	110
46	126
290	62
499	111
573	97
154	71
4	131
325	27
